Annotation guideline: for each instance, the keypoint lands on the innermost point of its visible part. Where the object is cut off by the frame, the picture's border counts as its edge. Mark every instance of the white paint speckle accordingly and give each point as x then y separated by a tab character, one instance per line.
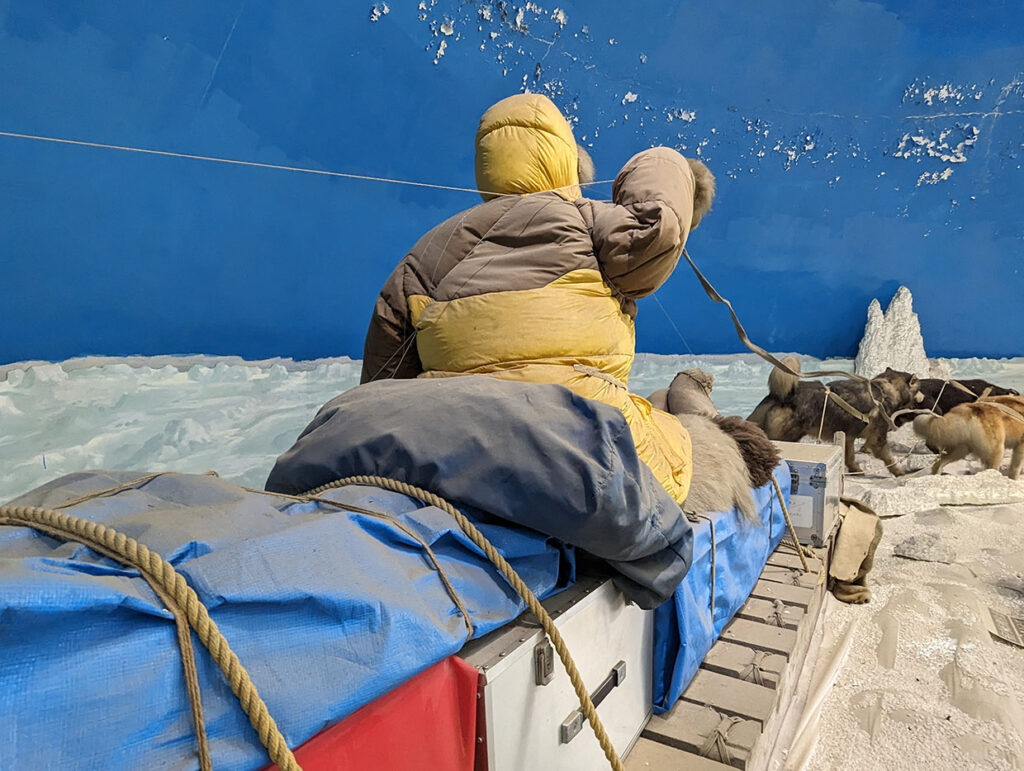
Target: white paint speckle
687	116
380	10
440	51
485	12
629	98
643	58
559	15
447	28
935	177
611	41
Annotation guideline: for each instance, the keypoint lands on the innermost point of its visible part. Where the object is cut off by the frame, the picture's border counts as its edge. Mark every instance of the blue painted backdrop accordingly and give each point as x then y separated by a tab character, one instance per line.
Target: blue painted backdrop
857	146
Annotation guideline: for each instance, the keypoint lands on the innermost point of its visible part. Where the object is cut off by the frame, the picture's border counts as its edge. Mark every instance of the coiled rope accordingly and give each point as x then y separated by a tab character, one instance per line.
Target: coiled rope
546	622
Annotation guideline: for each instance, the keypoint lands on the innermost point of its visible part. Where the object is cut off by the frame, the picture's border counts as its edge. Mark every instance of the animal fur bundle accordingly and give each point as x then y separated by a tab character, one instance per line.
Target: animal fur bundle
730	454
720	479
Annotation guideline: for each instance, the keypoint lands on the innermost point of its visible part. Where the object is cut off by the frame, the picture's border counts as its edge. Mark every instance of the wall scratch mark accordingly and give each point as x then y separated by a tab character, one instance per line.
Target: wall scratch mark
1004	94
223	48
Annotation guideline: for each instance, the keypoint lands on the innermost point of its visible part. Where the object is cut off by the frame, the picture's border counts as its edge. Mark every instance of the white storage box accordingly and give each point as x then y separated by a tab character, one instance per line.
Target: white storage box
527	716
816	471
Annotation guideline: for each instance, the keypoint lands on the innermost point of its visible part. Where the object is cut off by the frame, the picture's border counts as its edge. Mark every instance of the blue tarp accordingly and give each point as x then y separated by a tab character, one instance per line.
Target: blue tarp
684	628
326	609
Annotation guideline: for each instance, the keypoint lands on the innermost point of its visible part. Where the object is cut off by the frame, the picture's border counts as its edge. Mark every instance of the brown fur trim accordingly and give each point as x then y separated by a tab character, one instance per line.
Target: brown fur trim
584	166
757	449
703	190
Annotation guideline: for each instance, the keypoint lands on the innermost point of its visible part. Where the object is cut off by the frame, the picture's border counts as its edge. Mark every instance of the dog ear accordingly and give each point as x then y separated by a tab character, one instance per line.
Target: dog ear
703	191
584	166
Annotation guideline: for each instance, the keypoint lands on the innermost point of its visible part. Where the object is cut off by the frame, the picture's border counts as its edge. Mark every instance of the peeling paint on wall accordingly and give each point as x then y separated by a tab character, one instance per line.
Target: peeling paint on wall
857	146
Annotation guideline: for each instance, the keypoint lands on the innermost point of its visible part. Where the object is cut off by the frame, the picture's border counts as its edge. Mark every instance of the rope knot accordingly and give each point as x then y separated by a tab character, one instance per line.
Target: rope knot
716	745
754	672
776	618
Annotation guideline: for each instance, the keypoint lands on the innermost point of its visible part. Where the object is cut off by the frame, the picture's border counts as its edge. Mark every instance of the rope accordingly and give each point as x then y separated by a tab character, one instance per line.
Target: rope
753	672
777	617
789	524
390	519
275	166
716	746
713	293
798	547
824	405
517	583
714	549
172	588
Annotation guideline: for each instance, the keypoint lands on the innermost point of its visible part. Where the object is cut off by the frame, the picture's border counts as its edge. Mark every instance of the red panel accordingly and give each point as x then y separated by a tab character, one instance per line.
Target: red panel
428	722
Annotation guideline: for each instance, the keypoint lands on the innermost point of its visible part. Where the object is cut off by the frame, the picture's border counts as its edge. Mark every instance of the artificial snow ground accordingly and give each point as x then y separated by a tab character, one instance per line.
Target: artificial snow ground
922	686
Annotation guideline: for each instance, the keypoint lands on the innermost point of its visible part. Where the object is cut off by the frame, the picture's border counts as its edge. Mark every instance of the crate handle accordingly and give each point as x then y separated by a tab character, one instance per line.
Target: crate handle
573	724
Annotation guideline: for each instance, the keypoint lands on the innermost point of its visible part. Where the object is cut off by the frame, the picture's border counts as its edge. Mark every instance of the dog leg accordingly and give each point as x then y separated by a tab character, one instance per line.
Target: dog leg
881	451
995	457
851	457
1016	461
951	457
876	442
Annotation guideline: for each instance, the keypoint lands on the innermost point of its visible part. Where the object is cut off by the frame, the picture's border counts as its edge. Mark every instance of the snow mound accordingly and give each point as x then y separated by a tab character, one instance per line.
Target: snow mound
186	434
911	494
44	373
893	339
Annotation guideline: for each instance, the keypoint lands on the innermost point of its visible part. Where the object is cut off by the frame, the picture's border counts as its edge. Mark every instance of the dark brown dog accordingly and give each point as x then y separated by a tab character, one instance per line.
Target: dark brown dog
794	408
949	396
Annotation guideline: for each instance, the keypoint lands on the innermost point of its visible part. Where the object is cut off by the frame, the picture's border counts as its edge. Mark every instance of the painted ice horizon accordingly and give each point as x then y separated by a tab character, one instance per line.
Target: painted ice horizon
197	413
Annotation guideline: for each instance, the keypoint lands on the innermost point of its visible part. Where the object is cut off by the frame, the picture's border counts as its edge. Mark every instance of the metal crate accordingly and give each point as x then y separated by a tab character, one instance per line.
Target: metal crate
528	715
816	472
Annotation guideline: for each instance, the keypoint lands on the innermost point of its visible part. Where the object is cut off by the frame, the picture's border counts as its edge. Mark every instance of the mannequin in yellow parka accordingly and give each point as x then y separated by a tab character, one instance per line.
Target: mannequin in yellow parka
538	283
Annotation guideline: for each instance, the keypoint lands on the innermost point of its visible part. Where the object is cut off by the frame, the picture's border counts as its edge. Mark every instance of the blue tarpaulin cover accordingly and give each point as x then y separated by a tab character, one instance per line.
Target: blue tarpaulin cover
684	628
328	609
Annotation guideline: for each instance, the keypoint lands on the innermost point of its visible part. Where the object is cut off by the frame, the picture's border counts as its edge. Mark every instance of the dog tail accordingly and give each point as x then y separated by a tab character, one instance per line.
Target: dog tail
781	384
757	449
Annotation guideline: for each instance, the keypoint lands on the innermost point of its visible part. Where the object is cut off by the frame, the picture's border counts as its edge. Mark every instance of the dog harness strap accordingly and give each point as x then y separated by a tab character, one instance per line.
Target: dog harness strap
846	406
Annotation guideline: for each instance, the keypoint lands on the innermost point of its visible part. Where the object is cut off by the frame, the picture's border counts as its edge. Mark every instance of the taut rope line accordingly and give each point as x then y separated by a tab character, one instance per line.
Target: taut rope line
259	165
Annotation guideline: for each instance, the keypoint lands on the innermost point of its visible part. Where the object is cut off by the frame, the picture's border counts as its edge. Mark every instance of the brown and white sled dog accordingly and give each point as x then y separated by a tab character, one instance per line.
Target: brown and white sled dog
794	408
981	429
